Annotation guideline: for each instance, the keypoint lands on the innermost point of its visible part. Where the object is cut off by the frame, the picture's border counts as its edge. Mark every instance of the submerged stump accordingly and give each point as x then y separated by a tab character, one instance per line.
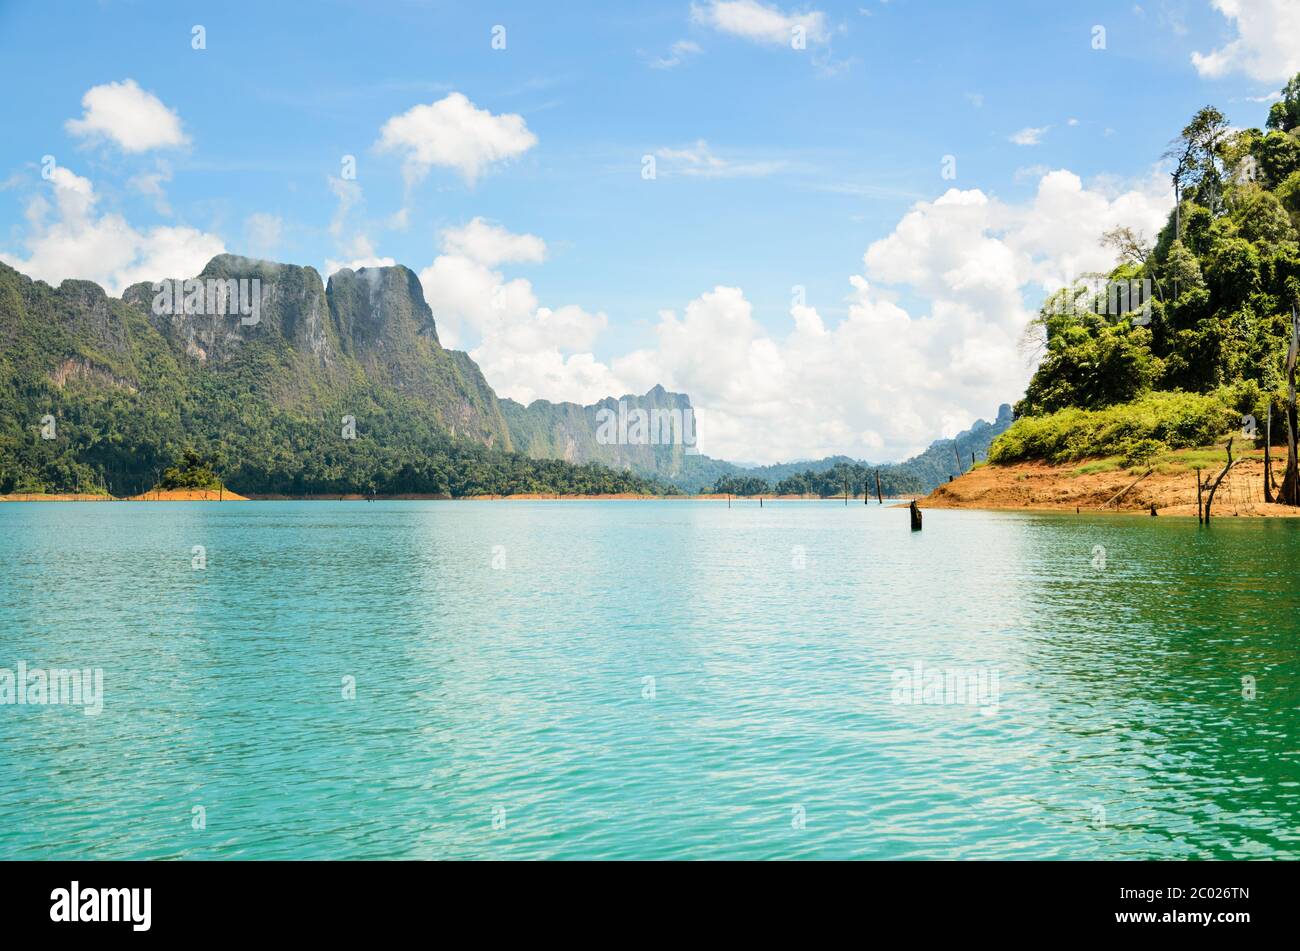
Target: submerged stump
915	511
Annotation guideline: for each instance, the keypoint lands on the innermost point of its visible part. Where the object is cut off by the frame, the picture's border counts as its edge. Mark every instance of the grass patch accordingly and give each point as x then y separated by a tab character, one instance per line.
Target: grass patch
1100	465
1137	433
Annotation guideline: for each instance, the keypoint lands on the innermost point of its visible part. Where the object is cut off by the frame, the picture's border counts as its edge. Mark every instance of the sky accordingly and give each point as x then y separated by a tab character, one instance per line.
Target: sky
829	224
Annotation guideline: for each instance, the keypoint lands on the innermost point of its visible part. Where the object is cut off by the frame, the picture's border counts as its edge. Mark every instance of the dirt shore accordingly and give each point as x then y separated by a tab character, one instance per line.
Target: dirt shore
189	495
1105	486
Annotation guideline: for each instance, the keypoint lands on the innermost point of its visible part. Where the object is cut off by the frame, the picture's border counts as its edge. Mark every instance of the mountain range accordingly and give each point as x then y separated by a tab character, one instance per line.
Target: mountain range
289	385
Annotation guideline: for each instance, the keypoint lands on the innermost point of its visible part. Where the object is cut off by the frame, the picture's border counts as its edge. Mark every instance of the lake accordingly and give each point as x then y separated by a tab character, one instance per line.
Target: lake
648	680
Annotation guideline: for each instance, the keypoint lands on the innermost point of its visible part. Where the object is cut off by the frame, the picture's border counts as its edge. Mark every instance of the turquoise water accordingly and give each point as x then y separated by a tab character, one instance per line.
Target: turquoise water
500	653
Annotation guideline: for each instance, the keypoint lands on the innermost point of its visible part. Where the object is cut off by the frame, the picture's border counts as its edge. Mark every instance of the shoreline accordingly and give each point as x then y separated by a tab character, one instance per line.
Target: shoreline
210	495
1104	486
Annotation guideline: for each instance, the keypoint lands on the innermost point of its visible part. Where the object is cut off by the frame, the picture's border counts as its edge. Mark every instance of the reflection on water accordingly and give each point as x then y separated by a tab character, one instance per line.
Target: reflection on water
647	680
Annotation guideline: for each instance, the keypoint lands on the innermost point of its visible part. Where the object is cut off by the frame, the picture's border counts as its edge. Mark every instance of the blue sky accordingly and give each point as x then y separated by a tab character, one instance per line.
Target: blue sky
775	168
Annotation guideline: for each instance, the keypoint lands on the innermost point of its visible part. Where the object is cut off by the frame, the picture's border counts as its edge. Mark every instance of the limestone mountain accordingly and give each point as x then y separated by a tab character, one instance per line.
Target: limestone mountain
609	432
286	385
374	320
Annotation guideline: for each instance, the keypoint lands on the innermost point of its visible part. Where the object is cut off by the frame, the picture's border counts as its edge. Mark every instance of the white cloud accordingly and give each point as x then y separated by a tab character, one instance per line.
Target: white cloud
1267	46
698	160
348	193
1030	136
882	382
453	133
68	240
355	249
546	355
124	113
263	232
359	253
527	351
759	22
677	54
152	184
492	245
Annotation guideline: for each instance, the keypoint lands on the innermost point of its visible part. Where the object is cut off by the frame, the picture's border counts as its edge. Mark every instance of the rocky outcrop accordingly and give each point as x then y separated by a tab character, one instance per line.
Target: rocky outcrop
650	434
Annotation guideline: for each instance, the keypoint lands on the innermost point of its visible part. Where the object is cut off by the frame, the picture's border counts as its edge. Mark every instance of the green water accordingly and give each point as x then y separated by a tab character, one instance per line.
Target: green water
502	708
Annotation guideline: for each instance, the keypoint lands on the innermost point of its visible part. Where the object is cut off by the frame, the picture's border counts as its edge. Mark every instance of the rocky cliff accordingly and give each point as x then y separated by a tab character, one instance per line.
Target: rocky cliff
650	434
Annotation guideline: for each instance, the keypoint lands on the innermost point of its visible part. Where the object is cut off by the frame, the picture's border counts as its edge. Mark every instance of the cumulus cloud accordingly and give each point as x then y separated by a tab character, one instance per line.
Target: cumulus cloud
677	54
453	133
883	381
1030	136
68	239
127	115
492	245
526	350
1266	47
759	22
880	382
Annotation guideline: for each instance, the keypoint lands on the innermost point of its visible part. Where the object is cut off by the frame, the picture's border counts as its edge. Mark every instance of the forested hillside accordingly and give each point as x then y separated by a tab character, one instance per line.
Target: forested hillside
1210	345
327	390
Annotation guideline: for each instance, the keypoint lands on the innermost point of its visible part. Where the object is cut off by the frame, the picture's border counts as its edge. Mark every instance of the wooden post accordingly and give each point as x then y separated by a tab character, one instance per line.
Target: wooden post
958	455
1209	499
1290	494
1268	458
879	499
916	516
1200	509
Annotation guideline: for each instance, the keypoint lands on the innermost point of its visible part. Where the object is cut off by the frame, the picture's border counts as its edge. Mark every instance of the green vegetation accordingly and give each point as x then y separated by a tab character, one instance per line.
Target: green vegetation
856	477
1133	431
827	482
141	400
191	473
1224	275
742	485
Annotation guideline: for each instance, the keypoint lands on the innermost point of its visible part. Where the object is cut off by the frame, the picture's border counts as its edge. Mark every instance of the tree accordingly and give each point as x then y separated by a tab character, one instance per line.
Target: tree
1195	154
1285	113
1132	248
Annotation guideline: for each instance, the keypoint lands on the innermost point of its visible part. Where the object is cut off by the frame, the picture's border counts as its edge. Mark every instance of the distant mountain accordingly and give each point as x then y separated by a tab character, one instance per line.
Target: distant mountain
609	432
952	457
285	385
920	474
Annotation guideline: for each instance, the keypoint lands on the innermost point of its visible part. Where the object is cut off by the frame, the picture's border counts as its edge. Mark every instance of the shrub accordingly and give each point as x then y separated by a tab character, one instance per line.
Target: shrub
1157	422
1139	451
